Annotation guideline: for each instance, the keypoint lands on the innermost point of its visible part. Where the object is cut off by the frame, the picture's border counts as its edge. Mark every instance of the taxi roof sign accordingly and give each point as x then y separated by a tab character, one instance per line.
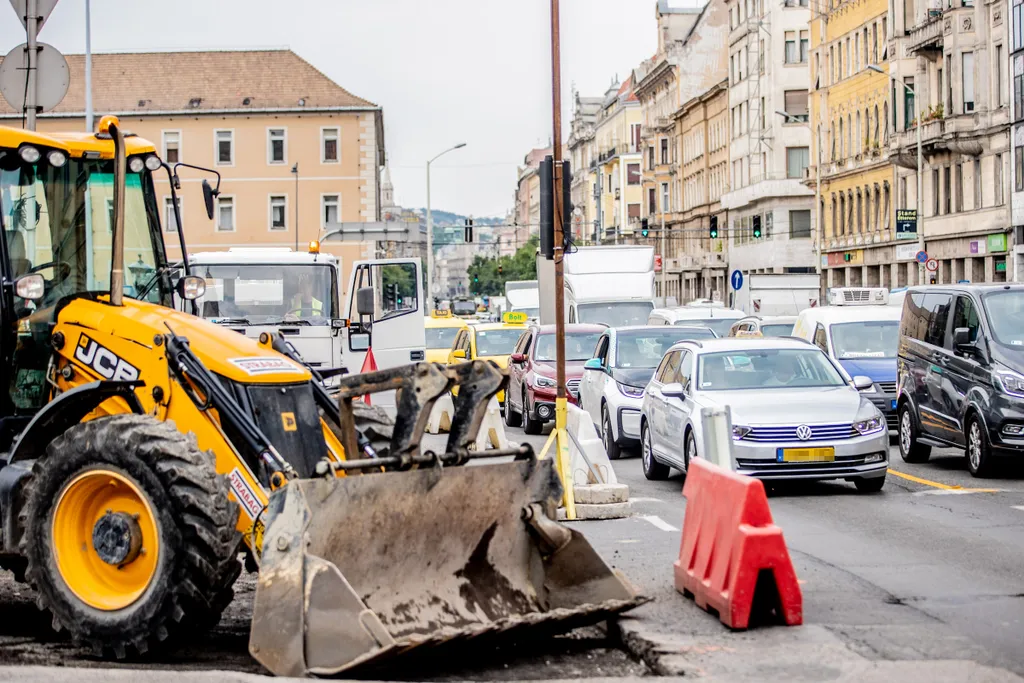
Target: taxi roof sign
514	318
440	313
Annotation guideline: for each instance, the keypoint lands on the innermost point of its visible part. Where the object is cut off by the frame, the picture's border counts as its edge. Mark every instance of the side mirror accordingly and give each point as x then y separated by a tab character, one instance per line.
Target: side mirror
962	340
190	287
861	383
208	195
364	301
517	358
673	390
459	353
31	287
593	364
359	341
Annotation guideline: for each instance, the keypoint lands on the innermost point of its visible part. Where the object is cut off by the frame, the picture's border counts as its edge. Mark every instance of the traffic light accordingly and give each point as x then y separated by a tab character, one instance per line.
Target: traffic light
500	269
468	230
547	205
757	227
714	228
644	230
391	297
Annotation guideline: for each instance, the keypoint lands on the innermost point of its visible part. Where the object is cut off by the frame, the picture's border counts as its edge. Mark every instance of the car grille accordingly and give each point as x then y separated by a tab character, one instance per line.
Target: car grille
770	468
892	420
887	387
573	385
829	432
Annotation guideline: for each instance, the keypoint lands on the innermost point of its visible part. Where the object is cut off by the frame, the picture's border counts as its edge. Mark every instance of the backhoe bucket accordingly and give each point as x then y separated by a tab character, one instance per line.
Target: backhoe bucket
365	568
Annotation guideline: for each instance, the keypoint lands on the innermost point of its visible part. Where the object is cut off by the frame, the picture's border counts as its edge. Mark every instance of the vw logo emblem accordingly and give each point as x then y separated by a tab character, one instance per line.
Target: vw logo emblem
803	432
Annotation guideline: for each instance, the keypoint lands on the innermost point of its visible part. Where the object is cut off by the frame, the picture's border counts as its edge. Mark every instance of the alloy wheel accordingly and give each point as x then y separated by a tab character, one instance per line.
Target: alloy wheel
905	431
974	445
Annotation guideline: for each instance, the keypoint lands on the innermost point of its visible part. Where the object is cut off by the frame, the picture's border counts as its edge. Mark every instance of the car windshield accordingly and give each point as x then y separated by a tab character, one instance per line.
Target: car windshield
530	312
268	294
719	325
463	308
644	348
777	330
615	313
498	342
865	339
441	337
766	369
1005	310
578	346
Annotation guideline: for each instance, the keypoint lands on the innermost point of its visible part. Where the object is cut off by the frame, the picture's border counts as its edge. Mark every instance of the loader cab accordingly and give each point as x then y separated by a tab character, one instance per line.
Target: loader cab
56	213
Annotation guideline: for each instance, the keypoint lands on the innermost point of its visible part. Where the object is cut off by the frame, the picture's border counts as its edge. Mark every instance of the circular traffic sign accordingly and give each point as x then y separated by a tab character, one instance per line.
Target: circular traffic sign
932	265
52	77
921	256
736	280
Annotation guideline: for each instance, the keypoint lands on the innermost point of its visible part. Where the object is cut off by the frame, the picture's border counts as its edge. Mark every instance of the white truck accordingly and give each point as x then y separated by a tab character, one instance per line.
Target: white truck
777	293
252	290
522	296
611	285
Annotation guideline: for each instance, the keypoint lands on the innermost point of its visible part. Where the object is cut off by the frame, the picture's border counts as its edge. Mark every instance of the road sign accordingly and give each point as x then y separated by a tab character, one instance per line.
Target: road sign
922	256
932	265
657	263
52	77
736	280
43	9
906	224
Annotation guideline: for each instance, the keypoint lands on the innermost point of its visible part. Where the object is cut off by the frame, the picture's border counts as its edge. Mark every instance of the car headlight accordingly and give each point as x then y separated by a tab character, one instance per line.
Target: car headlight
739	431
543	381
871	425
632	392
1009	382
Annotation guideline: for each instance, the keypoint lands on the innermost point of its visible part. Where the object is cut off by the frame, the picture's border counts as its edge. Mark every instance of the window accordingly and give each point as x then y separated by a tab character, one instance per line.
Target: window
650	157
977	184
949	85
998	86
966	315
968	78
856	53
797	161
633	174
874	43
1018	26
792	56
664	198
804	42
1018	169
275	146
225	214
997	178
278	212
903	192
936	307
664	150
225	147
959	188
947	190
935	192
820	339
908	102
170	225
329	152
1018	89
796	105
172	146
849	59
799	224
330	209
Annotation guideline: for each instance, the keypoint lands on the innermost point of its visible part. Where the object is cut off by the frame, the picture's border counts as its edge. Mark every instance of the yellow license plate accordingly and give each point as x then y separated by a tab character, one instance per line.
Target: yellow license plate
805	454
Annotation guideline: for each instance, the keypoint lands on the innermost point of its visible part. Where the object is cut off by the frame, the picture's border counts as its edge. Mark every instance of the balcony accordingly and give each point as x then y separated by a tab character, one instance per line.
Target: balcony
764	186
925	38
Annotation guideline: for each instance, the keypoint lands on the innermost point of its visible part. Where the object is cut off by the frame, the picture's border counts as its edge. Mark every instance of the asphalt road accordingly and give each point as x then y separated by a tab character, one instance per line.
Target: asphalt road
930	570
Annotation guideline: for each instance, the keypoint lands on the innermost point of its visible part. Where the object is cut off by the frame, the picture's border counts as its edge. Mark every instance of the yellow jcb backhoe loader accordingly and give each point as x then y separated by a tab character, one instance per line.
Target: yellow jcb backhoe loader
145	448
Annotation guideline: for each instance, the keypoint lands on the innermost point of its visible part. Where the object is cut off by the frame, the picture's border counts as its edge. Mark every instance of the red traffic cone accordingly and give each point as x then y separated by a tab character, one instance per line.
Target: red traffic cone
369	365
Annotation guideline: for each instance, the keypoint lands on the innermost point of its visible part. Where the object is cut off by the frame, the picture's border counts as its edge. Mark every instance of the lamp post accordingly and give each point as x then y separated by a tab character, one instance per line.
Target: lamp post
430	223
295	170
920	170
816	233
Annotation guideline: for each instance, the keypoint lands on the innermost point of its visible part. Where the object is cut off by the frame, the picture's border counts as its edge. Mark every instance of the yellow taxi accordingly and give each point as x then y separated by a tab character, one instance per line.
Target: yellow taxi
488	341
441	328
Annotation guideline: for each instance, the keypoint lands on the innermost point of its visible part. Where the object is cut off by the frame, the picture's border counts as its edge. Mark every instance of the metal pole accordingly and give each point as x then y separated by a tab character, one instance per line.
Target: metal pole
817	211
295	170
920	195
664	261
430	241
32	60
88	68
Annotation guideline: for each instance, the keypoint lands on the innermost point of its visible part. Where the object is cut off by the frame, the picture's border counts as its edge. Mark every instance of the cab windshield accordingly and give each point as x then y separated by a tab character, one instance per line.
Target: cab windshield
1006	316
441	337
58	222
866	339
268	294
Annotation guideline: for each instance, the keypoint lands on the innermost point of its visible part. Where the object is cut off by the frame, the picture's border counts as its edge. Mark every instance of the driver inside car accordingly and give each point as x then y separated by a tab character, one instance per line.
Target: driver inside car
303	304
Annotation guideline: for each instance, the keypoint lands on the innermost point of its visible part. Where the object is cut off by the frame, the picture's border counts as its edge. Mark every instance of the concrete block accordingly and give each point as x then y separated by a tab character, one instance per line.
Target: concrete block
601	494
610	511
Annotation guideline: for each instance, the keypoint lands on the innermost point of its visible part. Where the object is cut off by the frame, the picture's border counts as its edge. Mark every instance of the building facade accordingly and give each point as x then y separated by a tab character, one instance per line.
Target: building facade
527	198
582	146
295	150
850	108
617	186
950	74
769	207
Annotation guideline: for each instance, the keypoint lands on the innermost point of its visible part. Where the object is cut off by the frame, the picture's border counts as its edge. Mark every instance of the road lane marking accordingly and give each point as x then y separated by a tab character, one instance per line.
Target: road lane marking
646	500
953	492
659	522
938	485
629	540
1018	507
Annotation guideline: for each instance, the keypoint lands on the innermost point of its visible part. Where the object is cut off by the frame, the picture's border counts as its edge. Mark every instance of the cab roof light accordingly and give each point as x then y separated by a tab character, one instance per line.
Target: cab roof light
314	247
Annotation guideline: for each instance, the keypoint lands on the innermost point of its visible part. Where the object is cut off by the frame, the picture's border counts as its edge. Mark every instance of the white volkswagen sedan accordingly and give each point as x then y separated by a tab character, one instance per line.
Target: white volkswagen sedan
795	413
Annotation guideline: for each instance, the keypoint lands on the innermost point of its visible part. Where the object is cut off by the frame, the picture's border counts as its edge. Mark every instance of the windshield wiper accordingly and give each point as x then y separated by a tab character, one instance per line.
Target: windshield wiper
144	290
282	321
230	321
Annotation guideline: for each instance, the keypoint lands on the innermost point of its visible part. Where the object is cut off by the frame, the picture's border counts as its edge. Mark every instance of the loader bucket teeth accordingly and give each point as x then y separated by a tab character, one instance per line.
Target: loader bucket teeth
358	570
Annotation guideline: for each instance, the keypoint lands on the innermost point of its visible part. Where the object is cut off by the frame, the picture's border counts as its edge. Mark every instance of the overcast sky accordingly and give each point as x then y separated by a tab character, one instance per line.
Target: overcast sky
445	71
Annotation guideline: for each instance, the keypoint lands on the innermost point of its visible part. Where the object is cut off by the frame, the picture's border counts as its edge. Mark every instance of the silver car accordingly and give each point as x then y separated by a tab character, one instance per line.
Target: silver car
795	413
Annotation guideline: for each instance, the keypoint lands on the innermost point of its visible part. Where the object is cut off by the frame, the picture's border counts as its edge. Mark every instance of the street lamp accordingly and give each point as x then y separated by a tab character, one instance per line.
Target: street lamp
816	237
920	169
430	223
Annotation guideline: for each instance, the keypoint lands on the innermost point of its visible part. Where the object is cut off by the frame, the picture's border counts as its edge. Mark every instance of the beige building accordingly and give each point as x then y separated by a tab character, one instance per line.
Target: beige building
582	147
295	150
527	199
618	188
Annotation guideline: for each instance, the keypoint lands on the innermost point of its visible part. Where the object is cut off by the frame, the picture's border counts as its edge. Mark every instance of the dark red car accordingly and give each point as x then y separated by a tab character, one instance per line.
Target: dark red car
530	398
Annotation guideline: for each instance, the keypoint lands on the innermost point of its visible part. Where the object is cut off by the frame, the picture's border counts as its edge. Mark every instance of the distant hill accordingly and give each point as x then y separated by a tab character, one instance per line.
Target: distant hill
445	218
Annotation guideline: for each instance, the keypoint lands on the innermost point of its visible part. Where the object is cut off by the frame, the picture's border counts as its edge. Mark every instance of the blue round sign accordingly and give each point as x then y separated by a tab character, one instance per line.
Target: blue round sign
736	279
921	256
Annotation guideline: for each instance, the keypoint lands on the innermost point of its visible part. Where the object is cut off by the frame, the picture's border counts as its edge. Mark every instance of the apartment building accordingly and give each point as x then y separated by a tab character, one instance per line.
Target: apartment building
295	150
849	108
527	197
617	187
1016	190
950	73
582	146
769	207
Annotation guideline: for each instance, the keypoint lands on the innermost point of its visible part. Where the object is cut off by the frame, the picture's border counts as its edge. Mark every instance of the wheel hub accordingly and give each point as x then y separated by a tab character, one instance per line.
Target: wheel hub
117	538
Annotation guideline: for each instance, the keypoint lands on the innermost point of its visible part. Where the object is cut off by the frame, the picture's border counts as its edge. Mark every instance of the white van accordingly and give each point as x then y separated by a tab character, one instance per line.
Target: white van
718	319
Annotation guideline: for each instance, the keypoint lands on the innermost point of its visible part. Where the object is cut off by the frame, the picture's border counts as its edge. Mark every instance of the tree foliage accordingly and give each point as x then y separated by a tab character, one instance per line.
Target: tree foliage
484	275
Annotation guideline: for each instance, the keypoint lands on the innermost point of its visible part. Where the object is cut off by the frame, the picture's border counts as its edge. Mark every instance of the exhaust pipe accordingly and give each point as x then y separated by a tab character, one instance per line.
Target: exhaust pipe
111	126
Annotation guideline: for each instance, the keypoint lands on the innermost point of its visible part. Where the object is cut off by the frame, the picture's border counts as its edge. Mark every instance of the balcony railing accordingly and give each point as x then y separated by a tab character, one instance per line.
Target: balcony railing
927	36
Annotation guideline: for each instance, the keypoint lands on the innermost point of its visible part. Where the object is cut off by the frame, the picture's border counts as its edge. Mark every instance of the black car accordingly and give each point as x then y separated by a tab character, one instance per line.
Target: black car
961	372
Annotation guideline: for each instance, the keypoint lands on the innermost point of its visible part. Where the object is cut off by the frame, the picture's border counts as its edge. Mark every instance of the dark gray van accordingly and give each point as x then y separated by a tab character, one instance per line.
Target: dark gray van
960	370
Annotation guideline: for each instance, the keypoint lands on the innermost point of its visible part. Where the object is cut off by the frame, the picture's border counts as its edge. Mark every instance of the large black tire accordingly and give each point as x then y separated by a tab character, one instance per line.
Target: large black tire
873	485
373	421
911	450
512	418
612	449
978	449
531	425
653	470
198	545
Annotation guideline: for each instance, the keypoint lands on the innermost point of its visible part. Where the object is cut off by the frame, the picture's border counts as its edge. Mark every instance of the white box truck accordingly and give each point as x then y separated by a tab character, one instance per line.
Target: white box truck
523	296
777	293
611	285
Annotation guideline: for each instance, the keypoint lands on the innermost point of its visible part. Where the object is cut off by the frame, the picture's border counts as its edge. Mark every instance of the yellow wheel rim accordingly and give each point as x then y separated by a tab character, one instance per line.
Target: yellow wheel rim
105	539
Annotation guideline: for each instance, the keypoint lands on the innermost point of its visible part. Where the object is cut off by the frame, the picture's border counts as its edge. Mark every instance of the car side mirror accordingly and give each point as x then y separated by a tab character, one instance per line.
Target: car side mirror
962	340
30	287
359	341
861	383
208	194
459	353
364	301
673	390
593	364
517	358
